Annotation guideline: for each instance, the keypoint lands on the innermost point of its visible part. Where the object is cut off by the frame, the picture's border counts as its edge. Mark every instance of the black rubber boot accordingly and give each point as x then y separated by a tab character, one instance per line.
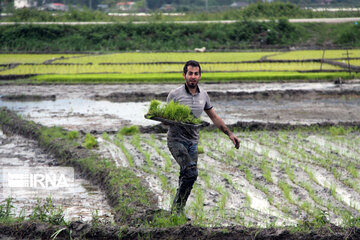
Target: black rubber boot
186	181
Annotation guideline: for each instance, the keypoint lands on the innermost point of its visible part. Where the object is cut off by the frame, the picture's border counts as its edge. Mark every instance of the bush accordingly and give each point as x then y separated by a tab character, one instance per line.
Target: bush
129	37
350	36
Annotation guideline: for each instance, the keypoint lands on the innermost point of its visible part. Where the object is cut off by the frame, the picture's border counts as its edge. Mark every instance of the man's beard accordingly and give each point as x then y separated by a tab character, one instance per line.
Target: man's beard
191	85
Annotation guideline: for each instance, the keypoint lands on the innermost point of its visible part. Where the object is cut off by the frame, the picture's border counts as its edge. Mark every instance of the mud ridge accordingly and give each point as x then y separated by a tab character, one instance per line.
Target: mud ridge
80	230
23	97
14	77
221	95
251	126
254	125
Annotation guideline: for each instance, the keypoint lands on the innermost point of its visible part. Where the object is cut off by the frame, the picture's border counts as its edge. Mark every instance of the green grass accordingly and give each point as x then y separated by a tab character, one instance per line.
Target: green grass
132	130
90	141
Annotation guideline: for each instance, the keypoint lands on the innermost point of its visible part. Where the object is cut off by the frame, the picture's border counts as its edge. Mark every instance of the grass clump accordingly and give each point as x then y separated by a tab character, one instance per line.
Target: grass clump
90	141
132	130
172	111
163	220
48	212
73	135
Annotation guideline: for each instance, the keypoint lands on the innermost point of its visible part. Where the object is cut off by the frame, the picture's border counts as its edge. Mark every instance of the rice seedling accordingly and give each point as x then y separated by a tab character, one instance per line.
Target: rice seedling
266	171
135	141
172	111
248	175
286	189
162	153
166	68
247	200
205	177
314	54
120	143
168	57
197	206
106	136
174	77
222	202
311	192
129	130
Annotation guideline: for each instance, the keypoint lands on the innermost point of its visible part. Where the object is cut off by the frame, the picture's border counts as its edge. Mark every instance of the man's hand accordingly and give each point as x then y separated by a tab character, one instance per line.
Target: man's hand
219	123
235	140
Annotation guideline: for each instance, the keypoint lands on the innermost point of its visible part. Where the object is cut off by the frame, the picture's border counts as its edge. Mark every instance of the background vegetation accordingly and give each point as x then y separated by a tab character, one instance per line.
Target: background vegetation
252	11
173	37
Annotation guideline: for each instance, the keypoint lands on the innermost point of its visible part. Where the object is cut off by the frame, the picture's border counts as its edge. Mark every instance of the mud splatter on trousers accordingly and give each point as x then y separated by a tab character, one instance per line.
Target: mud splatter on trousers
186	155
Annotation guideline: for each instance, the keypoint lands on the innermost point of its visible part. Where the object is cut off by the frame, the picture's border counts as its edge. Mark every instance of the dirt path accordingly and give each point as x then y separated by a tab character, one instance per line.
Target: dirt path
315	20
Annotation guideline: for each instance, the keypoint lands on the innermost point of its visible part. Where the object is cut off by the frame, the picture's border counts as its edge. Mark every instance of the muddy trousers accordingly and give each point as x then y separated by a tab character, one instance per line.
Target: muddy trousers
185	154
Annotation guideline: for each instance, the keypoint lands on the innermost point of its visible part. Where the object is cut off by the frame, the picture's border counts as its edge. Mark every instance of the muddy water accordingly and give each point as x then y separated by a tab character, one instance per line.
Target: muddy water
89	91
81	114
76	109
88	115
80	201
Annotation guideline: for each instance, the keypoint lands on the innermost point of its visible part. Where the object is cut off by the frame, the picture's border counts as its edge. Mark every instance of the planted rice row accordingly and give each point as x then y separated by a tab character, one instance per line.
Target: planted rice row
164	68
134	57
176	77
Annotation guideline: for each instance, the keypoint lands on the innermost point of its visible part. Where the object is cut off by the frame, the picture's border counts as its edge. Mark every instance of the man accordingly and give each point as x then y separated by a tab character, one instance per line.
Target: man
183	141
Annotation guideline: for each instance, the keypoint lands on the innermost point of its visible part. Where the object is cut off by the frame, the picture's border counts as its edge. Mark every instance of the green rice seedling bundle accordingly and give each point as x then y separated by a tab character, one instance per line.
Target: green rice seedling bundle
172	111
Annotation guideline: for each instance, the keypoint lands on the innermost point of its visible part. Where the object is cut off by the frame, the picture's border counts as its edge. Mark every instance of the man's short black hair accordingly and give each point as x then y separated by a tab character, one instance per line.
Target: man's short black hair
192	63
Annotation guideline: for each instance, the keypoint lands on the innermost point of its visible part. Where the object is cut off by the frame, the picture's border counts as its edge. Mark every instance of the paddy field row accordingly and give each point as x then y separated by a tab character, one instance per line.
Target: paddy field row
152	67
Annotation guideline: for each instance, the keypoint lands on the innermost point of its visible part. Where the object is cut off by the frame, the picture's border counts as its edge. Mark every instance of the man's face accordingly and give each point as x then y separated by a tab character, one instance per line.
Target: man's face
192	76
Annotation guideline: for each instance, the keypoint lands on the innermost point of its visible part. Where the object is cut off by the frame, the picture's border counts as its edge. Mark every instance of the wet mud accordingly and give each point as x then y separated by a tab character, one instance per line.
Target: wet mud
80	230
80	202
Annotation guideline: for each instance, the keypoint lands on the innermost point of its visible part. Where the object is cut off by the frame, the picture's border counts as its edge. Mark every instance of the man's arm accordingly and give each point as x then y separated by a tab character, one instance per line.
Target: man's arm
219	123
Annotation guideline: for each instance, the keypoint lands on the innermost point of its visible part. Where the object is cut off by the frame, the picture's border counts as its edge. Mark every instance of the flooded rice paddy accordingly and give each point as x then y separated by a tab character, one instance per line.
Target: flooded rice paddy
275	178
87	108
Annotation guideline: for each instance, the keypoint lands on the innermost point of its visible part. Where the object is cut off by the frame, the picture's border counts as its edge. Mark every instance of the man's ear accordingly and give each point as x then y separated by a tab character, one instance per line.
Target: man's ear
184	75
